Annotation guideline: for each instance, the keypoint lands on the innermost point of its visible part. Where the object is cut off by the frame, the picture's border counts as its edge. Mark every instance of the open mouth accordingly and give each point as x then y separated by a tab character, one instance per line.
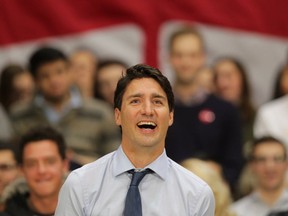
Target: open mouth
147	125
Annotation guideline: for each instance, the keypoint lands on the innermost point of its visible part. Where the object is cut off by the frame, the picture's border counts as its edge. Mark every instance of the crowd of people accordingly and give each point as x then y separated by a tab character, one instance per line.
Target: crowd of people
63	112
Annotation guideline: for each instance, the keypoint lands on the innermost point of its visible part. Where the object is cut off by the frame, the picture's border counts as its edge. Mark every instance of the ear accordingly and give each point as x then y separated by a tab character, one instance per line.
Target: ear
65	165
171	118
117	116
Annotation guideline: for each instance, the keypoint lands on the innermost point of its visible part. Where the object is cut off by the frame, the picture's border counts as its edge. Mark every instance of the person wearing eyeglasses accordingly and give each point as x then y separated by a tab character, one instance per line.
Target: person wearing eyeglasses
9	169
268	163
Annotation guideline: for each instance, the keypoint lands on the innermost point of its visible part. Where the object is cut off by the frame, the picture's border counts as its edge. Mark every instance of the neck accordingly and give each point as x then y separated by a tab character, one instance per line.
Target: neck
43	205
270	196
142	158
59	104
185	92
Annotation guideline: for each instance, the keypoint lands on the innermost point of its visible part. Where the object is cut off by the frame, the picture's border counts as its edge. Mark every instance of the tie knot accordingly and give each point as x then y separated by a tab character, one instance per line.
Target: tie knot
137	176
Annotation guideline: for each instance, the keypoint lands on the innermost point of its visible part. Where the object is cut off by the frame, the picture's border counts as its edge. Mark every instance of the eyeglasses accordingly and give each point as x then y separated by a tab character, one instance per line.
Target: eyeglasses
7	167
275	159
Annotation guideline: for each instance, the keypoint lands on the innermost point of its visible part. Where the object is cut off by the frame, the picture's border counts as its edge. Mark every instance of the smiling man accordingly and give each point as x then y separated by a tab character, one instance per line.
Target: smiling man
144	105
44	165
268	162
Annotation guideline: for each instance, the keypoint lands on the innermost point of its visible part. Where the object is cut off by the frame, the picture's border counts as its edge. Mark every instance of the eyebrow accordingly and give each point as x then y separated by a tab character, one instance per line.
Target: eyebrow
154	95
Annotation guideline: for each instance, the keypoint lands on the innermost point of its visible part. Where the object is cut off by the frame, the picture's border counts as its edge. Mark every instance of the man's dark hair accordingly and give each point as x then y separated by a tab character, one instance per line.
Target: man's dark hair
10	146
186	30
44	55
140	71
40	134
266	139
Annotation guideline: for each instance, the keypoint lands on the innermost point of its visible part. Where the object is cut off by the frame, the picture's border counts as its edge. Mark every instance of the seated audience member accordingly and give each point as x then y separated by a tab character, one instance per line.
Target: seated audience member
214	179
204	125
6	130
9	169
268	162
83	67
271	119
16	86
44	165
86	123
231	84
107	75
281	83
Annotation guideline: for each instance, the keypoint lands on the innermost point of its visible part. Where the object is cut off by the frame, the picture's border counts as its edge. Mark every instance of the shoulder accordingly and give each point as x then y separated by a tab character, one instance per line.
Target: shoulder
219	102
90	173
23	110
18	186
96	108
190	181
243	203
275	105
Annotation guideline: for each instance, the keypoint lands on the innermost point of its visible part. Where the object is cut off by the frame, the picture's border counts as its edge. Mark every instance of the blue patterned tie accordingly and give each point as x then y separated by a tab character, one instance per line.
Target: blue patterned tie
133	205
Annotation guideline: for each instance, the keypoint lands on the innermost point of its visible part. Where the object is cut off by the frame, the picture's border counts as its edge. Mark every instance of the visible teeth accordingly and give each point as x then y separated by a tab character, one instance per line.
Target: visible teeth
146	123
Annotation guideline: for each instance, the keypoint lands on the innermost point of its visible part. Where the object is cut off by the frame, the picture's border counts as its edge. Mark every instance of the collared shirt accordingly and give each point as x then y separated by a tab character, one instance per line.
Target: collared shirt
271	119
253	205
100	188
54	116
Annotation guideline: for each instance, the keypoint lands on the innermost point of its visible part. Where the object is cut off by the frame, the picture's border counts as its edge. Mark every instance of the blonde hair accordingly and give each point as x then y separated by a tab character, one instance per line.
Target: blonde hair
215	180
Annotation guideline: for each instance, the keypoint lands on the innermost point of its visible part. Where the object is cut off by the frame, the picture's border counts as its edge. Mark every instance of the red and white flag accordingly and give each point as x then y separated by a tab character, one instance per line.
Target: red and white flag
136	31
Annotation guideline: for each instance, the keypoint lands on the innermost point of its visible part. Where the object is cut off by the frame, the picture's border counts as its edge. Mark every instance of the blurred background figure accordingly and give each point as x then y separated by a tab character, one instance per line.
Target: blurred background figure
9	169
268	162
107	75
204	125
83	67
271	117
215	180
16	86
281	83
231	84
86	123
6	130
205	79
43	161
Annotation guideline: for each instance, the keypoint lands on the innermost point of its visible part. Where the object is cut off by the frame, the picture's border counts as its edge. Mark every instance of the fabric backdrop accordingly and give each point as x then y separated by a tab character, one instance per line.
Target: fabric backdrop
255	31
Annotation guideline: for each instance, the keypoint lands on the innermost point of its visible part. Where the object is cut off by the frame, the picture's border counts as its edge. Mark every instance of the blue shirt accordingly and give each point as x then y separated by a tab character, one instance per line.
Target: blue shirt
100	188
54	116
253	204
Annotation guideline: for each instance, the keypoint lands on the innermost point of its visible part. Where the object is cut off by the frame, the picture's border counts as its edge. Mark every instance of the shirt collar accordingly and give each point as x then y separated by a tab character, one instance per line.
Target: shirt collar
75	99
54	116
197	98
122	164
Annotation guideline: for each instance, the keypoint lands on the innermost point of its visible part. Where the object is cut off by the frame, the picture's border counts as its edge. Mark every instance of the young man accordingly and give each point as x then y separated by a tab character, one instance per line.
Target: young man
43	162
204	126
268	163
83	68
9	169
86	124
144	110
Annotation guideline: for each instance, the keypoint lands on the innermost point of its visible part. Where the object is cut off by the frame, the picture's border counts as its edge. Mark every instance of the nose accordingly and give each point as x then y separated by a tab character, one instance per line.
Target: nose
147	108
41	167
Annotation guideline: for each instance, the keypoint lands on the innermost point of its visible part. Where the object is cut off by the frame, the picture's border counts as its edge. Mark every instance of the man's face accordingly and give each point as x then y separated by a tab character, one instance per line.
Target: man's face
186	57
269	166
8	168
54	80
83	66
108	78
228	81
144	116
43	168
